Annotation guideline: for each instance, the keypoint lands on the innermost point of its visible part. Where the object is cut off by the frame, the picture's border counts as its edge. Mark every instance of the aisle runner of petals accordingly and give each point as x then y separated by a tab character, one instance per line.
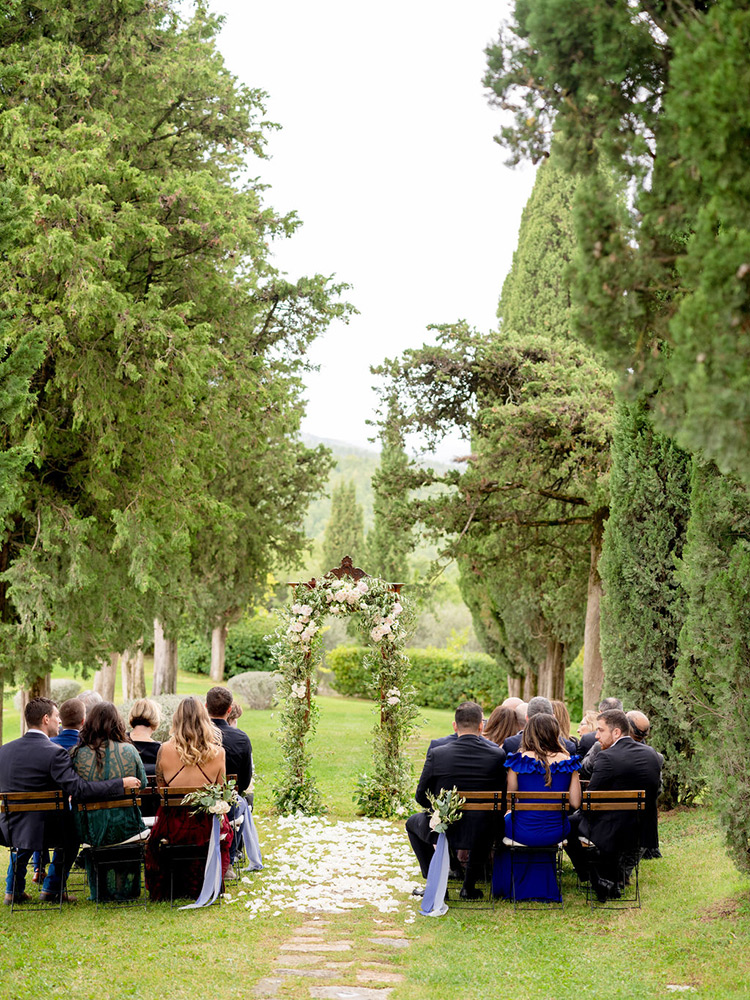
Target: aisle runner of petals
313	864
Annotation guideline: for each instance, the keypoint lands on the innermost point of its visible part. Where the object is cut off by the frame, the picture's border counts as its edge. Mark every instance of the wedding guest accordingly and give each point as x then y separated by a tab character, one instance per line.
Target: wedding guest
563	718
105	752
537	706
501	724
234	714
90	698
144	719
192	756
72	716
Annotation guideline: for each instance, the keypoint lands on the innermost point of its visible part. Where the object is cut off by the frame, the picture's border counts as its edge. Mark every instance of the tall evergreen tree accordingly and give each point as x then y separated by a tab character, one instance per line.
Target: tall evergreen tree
644	604
345	530
714	671
141	267
390	540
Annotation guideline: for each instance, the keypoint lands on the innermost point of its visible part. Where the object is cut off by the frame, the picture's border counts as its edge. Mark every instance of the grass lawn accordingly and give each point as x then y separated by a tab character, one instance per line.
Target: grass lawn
693	929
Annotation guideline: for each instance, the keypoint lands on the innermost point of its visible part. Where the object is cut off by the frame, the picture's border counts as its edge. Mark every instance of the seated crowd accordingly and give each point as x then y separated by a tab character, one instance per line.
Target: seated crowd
85	749
528	748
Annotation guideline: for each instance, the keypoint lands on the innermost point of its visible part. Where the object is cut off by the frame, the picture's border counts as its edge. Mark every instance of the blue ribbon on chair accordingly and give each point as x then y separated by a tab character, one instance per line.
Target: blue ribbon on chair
250	837
212	872
433	901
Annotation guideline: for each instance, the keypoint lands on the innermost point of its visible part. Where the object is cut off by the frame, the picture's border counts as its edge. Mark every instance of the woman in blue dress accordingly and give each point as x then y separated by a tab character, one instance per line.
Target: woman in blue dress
541	765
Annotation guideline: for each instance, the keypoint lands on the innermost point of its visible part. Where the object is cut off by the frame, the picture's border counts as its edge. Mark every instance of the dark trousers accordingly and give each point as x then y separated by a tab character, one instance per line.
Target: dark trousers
423	840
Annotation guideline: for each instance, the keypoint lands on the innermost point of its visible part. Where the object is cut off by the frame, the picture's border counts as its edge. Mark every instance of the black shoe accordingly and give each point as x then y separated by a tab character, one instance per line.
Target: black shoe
417	891
471	893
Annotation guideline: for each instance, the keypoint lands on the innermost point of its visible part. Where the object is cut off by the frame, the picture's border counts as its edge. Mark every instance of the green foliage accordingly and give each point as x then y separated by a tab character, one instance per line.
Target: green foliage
714	670
249	647
654	90
344	534
391	538
441	679
574	689
156	464
644	603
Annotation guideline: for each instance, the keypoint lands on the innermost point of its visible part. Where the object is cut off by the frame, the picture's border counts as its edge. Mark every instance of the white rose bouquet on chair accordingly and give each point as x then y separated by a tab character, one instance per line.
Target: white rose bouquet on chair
447	807
215	800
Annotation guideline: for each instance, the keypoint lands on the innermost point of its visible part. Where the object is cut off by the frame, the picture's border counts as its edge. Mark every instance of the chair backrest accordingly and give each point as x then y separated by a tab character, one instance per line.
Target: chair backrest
25	802
629	800
129	799
483	801
539	801
171	796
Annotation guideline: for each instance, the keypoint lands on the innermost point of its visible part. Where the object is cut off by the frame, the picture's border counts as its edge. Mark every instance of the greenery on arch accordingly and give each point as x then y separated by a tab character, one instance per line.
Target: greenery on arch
384	618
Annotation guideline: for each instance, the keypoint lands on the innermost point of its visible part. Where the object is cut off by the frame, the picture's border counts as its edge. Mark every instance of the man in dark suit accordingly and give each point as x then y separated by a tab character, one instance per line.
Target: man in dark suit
536	706
33	763
237	746
588	740
621	837
471	763
72	717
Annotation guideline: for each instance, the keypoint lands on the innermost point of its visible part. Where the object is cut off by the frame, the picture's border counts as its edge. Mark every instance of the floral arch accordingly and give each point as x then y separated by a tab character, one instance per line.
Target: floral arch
383	618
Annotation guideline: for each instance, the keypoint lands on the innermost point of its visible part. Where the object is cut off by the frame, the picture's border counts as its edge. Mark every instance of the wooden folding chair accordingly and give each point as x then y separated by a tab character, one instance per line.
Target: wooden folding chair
15	804
124	854
175	854
521	802
624	864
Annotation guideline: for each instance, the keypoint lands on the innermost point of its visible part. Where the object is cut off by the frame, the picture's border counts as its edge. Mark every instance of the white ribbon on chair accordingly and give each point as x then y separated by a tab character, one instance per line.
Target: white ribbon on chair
250	837
212	872
433	901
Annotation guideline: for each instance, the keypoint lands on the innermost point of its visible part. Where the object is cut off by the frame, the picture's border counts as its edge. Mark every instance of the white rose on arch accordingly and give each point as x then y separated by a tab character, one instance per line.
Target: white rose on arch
299	690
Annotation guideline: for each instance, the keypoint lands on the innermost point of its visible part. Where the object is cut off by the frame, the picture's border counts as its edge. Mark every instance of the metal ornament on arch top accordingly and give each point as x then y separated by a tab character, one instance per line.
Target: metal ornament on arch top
383	621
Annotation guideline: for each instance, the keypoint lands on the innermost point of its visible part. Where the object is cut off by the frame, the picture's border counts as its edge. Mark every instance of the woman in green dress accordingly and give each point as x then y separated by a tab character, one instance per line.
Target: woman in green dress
104	751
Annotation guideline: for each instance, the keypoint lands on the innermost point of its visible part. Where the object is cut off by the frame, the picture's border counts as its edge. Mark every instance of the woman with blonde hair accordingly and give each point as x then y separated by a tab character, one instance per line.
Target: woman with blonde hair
192	756
501	724
563	718
144	719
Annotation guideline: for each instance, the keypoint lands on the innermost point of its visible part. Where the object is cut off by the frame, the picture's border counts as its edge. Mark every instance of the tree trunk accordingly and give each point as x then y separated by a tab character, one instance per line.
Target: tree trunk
218	652
2	700
40	688
552	671
529	685
133	678
593	669
165	662
105	678
514	686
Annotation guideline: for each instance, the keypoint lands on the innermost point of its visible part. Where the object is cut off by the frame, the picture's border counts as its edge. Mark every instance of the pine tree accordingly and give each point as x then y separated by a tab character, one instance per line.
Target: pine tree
142	269
390	540
714	671
644	604
344	534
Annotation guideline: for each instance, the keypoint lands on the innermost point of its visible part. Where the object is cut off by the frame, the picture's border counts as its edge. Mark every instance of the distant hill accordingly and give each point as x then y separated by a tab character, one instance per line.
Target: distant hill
352	463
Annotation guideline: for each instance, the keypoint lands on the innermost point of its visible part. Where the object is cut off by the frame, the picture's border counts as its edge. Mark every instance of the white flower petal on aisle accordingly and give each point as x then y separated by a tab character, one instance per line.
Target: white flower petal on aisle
316	864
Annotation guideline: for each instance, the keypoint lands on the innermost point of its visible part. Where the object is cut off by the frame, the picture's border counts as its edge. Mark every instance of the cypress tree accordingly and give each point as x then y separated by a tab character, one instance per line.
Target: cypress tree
390	540
714	671
344	534
644	603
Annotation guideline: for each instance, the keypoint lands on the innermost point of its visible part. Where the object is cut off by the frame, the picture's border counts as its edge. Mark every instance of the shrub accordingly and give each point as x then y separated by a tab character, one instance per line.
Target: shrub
442	679
249	648
255	688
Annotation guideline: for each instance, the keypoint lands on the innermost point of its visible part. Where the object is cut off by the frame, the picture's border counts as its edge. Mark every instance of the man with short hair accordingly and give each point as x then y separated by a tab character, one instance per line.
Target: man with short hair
470	763
72	717
588	740
238	749
621	837
34	764
537	706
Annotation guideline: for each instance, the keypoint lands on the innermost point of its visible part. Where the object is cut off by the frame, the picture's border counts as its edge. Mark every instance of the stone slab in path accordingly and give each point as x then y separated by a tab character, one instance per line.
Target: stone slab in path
400	942
349	993
317	946
376	976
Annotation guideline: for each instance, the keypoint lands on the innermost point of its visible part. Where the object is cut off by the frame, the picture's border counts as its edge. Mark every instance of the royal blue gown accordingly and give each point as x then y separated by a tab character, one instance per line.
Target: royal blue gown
533	874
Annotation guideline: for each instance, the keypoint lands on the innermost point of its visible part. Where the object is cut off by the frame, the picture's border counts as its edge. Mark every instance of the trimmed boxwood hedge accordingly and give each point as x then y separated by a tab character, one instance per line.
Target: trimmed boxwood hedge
442	679
249	645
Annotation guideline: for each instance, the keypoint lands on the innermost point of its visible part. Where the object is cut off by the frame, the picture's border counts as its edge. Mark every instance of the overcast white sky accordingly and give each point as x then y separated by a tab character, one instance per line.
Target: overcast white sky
387	155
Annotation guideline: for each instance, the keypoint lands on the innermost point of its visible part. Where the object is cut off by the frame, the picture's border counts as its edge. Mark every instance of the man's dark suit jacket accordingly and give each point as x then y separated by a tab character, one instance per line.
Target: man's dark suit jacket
585	743
625	765
472	764
239	752
33	763
513	744
66	738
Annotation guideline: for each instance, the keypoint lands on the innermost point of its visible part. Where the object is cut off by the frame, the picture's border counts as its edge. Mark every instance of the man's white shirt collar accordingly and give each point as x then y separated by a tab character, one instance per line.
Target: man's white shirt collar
38	731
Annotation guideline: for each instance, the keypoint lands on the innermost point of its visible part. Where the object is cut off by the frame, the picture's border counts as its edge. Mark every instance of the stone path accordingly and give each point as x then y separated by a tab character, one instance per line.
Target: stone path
316	959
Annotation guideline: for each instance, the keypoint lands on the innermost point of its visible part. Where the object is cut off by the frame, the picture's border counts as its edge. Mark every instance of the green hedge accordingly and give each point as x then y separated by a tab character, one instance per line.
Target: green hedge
442	679
249	645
